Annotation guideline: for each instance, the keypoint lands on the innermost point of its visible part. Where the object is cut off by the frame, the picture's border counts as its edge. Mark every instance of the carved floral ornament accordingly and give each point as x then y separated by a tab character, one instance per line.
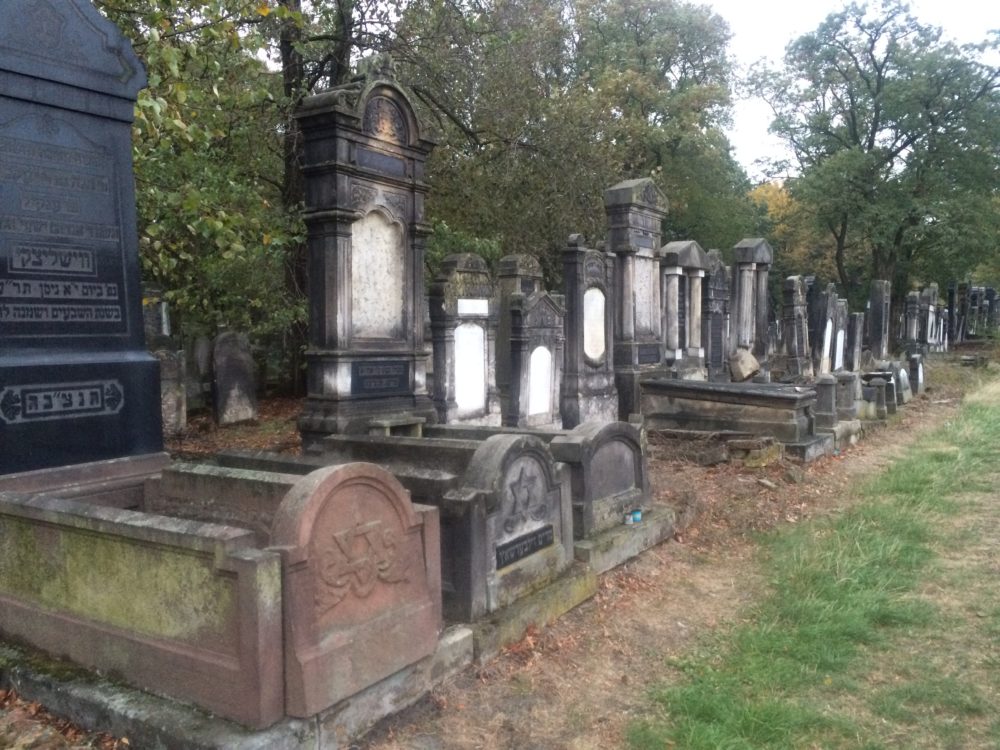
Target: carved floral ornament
353	561
383	119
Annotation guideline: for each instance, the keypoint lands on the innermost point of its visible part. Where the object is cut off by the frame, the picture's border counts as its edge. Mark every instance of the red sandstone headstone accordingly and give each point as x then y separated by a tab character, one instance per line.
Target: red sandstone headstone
362	583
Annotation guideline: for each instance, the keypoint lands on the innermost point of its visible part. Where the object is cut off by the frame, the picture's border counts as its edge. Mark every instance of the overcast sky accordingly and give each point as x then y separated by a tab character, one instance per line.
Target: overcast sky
762	29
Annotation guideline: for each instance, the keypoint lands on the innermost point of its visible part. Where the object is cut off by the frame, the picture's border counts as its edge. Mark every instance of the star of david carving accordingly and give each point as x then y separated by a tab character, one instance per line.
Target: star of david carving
527	501
355	562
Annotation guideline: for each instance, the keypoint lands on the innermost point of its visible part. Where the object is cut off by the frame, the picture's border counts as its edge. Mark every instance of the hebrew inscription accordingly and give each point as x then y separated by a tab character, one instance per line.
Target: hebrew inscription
25	403
61	265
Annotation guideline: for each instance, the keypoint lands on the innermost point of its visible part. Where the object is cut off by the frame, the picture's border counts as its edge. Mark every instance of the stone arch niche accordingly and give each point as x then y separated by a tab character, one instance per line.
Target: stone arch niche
364	154
588	391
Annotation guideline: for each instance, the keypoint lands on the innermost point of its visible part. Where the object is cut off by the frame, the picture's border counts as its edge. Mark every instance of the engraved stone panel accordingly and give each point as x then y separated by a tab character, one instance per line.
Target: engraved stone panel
645	306
525	506
362	583
613	469
377	277
540	382
593	324
61	256
470	367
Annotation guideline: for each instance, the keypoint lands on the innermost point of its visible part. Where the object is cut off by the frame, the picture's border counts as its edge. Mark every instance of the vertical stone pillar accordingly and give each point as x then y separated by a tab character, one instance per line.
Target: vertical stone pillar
855	335
826	402
588	384
715	305
671	302
694	314
881	296
753	258
912	321
635	209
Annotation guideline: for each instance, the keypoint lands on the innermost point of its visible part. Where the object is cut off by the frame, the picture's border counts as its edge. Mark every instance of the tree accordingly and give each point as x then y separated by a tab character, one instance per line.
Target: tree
894	138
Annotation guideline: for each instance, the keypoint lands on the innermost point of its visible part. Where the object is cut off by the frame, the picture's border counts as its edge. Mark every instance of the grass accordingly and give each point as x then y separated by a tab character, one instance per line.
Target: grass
880	627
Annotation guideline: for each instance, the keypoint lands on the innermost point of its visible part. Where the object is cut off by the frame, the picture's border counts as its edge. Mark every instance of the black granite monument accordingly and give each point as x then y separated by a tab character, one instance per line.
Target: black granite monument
76	382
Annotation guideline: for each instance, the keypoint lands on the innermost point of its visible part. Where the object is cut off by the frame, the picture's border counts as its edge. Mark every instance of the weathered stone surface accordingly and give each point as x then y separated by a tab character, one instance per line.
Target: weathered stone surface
743	365
364	155
76	383
173	396
234	383
362	583
781	411
181	608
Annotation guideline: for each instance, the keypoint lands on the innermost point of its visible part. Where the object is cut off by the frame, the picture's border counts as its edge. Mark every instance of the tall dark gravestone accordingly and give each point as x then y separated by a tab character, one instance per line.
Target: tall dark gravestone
76	382
364	155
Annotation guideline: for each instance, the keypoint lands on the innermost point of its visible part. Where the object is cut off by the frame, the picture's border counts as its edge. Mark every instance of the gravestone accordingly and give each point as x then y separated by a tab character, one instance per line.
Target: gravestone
795	331
752	258
823	315
683	266
363	157
879	305
234	382
463	328
535	353
76	382
855	337
715	313
589	391
635	209
173	396
912	323
840	335
361	580
517	273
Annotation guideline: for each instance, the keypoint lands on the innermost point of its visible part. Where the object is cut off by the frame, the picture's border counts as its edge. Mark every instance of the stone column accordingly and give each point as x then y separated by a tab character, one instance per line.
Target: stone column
761	306
744	305
694	314
671	301
881	293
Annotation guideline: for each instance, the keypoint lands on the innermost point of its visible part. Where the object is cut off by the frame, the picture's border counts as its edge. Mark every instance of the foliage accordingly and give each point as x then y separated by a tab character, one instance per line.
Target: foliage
895	143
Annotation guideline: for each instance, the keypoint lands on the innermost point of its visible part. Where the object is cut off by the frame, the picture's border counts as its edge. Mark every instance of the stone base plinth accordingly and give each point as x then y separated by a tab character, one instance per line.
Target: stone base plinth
609	549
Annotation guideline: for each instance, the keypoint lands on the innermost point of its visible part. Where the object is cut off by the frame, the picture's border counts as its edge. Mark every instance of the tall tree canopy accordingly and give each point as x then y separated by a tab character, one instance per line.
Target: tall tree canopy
896	145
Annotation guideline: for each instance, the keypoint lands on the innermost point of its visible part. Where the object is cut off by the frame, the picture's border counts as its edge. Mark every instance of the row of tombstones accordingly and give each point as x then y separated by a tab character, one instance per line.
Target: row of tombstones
973	311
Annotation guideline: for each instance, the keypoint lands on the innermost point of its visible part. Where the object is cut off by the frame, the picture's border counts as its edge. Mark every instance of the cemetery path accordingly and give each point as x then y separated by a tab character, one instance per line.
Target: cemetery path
575	685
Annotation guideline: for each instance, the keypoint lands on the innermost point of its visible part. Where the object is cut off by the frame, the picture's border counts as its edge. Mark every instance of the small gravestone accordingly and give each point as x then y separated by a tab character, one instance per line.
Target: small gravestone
173	396
76	382
234	384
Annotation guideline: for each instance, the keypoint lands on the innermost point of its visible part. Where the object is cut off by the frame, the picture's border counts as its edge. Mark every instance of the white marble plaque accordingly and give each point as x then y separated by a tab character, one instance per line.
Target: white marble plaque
838	357
478	307
470	367
377	276
540	393
645	276
593	324
827	346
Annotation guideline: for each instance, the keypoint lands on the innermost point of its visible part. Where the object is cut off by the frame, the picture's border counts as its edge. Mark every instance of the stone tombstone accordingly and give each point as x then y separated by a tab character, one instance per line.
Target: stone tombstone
516	274
364	152
855	338
795	329
752	258
635	209
840	335
173	391
535	354
76	382
463	328
234	382
823	316
682	266
952	308
588	391
912	322
361	579
879	312
715	318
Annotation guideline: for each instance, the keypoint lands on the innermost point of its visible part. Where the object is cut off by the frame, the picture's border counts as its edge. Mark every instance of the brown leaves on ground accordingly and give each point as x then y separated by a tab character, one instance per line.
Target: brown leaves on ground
28	725
274	430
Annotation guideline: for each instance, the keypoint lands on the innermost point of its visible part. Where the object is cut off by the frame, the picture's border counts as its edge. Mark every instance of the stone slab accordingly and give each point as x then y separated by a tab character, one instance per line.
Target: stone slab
150	721
186	609
610	548
809	450
506	626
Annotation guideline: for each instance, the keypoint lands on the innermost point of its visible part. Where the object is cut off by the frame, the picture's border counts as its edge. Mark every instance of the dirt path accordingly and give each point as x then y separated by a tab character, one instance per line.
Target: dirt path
574	684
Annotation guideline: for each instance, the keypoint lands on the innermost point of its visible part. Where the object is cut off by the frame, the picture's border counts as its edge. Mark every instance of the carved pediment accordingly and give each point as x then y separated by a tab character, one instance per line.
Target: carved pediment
69	42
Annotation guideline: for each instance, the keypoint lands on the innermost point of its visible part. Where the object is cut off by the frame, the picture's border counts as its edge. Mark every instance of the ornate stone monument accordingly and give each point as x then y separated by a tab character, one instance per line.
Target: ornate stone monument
364	155
589	391
752	259
635	209
464	329
715	314
76	382
795	331
683	265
